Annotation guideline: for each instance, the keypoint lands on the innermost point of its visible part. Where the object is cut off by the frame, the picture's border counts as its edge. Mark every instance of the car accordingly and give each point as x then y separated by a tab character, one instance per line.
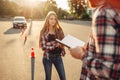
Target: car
19	22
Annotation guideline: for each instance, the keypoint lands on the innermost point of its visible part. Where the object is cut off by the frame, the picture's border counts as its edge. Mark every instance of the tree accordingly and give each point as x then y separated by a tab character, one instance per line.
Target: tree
1	7
77	7
50	5
62	13
8	8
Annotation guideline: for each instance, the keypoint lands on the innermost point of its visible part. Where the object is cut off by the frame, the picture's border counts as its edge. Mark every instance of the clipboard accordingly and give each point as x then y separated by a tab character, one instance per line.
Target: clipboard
62	43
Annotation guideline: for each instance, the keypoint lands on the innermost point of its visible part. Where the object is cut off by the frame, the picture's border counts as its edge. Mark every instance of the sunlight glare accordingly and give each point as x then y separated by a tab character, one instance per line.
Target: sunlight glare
31	2
61	4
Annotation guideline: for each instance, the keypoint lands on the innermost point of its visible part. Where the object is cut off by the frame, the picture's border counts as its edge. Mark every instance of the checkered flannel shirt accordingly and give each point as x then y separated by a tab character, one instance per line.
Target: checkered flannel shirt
44	41
105	64
46	48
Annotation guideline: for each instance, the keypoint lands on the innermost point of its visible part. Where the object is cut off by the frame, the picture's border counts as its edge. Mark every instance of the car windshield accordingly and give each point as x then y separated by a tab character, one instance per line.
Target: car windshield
19	19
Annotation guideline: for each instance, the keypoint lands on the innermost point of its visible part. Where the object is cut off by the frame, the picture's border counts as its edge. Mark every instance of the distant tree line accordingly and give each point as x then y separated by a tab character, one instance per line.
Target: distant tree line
79	8
11	8
8	8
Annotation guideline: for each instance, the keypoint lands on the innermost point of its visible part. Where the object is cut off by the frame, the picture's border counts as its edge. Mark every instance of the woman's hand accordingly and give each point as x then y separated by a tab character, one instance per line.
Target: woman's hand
48	43
77	52
57	45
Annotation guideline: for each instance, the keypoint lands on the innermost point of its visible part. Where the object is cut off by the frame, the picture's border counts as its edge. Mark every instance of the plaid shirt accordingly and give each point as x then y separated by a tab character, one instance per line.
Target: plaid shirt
105	64
44	41
47	47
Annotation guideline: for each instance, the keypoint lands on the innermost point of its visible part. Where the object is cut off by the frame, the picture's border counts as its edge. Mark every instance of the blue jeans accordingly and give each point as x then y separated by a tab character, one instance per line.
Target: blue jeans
58	63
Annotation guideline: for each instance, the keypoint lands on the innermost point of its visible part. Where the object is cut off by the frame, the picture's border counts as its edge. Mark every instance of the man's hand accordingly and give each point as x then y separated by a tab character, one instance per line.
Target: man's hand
77	52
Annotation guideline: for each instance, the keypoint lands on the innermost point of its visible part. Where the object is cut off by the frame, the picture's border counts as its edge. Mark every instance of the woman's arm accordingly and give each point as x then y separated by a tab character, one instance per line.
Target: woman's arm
47	45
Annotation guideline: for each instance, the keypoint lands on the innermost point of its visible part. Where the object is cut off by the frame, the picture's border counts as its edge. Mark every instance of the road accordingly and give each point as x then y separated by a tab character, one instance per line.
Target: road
15	61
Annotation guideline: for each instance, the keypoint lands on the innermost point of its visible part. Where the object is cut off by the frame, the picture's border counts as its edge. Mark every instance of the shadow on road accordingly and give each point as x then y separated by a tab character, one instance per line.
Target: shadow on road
12	31
10	42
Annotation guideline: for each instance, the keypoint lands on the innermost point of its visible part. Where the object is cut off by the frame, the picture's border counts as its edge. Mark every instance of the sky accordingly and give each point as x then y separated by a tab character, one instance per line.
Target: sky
61	4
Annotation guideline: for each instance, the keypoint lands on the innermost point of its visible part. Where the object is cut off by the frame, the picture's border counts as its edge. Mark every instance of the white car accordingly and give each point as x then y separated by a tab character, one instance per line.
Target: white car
19	22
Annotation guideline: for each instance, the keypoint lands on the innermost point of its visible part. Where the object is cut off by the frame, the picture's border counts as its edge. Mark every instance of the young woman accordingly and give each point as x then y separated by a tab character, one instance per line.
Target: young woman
52	50
101	57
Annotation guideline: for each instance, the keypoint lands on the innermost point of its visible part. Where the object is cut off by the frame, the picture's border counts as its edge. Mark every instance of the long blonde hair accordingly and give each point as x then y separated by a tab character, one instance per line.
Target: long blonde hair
57	27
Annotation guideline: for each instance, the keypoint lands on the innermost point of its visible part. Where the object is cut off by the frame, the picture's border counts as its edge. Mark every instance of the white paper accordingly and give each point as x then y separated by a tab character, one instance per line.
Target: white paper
71	41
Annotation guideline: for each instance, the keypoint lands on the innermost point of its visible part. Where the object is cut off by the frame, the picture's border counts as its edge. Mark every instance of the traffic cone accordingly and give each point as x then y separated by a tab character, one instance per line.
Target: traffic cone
32	53
25	37
32	63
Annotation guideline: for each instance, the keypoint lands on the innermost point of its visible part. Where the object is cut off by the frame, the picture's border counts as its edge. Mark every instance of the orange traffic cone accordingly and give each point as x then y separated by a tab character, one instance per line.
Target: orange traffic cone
32	53
32	63
25	37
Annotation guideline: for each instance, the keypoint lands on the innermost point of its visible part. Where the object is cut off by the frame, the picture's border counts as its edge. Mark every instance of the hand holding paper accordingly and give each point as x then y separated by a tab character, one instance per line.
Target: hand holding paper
71	42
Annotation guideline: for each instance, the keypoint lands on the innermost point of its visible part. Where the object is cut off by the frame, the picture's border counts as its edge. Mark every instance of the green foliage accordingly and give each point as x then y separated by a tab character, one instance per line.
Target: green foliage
77	7
13	8
85	16
50	5
8	8
62	14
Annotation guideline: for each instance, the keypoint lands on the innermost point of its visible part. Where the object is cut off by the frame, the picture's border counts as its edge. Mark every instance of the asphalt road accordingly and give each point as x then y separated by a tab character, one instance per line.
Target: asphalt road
15	60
